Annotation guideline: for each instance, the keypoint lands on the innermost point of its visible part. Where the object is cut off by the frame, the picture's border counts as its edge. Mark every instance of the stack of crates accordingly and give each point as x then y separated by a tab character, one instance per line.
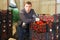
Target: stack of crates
6	24
52	30
9	23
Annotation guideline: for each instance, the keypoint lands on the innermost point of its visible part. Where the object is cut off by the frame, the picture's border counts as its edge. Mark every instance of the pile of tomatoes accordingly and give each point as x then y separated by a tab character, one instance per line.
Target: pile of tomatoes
38	26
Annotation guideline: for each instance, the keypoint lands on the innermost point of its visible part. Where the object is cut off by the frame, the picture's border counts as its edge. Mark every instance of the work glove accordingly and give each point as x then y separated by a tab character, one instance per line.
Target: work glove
37	19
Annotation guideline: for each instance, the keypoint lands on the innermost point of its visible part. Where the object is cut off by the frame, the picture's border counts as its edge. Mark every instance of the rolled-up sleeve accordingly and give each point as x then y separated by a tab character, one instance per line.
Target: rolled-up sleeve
34	14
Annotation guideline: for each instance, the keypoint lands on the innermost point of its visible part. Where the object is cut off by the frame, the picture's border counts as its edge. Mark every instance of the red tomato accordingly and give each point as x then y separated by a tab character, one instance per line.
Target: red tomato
37	22
35	27
41	23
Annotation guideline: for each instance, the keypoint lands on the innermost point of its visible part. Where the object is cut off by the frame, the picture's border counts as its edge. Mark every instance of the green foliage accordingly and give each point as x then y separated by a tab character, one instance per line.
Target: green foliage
15	13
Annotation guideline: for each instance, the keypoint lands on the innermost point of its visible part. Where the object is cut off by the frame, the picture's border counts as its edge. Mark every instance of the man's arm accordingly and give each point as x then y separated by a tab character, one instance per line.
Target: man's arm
35	16
24	19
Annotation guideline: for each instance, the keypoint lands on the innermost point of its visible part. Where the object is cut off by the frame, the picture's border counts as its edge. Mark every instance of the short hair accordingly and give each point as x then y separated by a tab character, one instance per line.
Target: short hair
28	2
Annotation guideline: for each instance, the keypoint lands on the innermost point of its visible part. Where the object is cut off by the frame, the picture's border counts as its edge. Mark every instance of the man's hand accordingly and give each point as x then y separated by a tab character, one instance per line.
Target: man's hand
37	19
23	24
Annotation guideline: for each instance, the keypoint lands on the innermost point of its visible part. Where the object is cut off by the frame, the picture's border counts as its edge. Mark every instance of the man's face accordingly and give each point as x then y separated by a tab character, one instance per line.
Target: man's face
28	7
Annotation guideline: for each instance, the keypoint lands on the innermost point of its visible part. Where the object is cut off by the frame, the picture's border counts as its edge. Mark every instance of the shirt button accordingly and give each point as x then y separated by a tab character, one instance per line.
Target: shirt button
4	30
9	20
4	26
9	24
9	12
4	21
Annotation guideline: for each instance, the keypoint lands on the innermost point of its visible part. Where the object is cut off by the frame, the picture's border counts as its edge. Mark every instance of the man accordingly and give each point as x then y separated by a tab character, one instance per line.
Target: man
27	16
